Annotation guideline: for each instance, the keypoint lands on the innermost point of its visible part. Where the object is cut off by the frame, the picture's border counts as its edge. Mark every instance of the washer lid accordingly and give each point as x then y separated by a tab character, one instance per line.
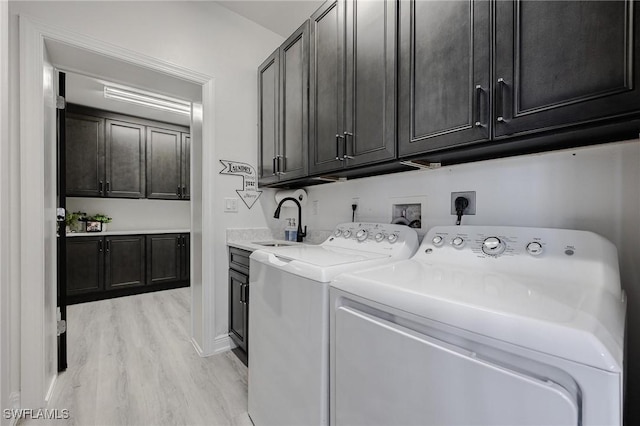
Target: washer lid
572	320
317	263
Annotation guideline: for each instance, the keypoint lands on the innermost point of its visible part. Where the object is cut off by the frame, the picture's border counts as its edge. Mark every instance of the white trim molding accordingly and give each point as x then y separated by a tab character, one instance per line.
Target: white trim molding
33	34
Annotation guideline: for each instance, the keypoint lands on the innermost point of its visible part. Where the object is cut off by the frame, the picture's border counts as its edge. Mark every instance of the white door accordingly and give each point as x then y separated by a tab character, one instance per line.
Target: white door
386	374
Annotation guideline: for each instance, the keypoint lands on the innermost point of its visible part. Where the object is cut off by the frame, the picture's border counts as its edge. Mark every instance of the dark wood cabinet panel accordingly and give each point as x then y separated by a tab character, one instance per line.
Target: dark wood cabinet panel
326	90
239	297
185	160
561	63
163	258
125	160
164	164
370	81
238	313
124	261
185	257
294	103
444	80
85	265
84	155
268	98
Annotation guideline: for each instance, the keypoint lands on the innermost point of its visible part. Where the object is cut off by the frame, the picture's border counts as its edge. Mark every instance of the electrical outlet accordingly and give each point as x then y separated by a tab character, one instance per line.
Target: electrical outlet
469	195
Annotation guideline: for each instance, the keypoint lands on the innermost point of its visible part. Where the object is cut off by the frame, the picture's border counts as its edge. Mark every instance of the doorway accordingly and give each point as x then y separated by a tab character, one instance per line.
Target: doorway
42	48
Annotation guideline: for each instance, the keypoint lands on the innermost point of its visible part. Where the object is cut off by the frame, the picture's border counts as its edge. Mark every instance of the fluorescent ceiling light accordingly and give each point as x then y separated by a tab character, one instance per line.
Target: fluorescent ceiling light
147	99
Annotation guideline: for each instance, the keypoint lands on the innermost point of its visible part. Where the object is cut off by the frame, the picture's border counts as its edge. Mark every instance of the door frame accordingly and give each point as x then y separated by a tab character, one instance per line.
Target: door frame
35	391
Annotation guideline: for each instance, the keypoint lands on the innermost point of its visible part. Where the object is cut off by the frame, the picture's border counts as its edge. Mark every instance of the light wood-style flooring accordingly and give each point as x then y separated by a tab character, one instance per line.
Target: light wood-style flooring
131	362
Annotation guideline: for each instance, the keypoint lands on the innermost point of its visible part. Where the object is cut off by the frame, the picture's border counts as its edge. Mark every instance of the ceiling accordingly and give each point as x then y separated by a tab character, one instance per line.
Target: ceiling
282	17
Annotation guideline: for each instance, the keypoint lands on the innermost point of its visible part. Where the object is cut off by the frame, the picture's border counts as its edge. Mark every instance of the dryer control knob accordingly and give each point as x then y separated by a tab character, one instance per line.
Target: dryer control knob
347	233
361	235
379	236
534	248
437	241
493	246
337	232
392	238
457	242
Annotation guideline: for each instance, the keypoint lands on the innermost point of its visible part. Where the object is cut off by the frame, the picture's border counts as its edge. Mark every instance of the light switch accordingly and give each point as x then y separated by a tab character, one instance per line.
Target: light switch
231	205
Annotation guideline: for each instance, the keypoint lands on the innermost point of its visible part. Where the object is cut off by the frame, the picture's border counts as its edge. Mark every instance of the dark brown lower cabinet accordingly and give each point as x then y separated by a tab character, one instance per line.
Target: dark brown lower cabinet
239	298
100	267
124	261
85	265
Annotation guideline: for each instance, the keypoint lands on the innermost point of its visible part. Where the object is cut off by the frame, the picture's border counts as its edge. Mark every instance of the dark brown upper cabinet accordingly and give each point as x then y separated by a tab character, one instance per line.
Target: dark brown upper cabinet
353	84
562	63
557	65
283	82
84	155
125	160
445	74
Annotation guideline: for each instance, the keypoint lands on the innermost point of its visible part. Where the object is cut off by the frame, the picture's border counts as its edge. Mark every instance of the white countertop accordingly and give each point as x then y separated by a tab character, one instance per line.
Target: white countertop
129	232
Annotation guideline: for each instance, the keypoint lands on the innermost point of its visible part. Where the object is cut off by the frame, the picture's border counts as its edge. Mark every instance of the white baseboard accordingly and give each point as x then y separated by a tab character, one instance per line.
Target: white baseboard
197	347
222	343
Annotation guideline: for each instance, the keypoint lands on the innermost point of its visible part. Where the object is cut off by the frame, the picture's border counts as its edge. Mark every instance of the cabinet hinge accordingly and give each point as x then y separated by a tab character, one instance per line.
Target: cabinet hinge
60	102
62	327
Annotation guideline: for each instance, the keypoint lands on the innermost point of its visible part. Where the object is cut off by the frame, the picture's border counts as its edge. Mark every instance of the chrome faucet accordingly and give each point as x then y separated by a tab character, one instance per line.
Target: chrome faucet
276	215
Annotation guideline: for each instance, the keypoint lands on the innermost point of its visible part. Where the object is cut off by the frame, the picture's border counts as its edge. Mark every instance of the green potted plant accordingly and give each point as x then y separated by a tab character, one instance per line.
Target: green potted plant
102	219
72	221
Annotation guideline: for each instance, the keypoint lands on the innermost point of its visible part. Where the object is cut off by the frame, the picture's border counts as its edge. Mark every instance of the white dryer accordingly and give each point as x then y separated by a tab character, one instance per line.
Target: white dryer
483	326
289	317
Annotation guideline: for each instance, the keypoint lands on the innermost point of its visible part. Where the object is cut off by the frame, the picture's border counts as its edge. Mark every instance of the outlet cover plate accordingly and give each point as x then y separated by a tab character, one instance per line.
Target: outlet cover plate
469	195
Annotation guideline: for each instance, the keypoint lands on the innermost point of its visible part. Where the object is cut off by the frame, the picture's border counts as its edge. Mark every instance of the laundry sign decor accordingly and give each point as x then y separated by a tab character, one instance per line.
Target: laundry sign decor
249	193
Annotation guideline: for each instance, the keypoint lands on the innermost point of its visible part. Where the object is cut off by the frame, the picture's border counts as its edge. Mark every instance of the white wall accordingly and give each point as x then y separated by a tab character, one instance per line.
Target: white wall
5	296
594	188
200	36
141	214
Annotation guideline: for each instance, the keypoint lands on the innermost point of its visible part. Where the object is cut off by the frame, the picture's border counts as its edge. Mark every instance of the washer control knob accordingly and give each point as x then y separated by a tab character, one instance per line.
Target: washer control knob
361	235
493	246
437	241
534	248
337	232
347	233
457	242
379	237
392	238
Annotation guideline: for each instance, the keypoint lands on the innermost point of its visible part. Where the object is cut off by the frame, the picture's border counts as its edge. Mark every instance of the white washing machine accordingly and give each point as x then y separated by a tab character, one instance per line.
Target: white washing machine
483	326
289	318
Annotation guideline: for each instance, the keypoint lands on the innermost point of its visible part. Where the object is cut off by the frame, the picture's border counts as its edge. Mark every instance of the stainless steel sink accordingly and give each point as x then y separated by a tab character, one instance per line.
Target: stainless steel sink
273	243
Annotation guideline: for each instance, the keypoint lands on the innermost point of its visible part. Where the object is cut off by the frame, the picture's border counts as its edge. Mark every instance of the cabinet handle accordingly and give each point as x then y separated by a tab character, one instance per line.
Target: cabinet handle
241	293
478	123
275	165
282	165
184	241
108	246
184	190
178	191
338	137
500	100
178	242
100	186
108	186
245	295
345	156
100	246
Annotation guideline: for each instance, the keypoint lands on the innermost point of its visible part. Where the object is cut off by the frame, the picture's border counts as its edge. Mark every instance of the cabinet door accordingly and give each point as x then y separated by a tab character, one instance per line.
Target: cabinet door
564	63
124	261
84	155
326	90
185	158
370	81
294	103
268	75
444	74
125	156
238	308
185	257
85	265
163	258
163	164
